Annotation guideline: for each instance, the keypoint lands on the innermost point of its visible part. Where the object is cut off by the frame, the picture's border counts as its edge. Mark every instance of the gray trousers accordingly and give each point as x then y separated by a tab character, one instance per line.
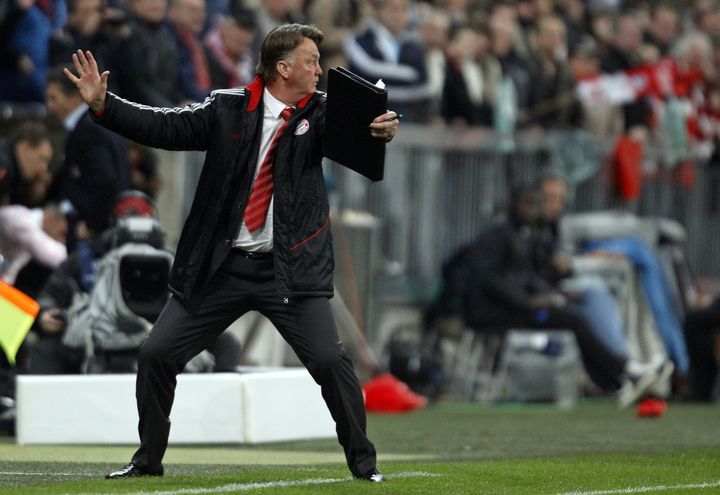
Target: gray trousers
183	329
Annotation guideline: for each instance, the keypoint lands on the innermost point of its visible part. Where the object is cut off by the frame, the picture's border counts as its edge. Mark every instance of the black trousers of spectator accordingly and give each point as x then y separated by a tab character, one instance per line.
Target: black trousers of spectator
604	367
182	330
701	326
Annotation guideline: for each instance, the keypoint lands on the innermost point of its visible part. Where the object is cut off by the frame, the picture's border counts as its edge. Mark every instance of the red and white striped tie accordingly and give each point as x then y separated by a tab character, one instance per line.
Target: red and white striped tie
262	190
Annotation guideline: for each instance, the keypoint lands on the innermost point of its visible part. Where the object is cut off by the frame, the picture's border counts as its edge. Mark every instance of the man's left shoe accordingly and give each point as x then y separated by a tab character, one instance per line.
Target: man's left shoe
373	476
134	471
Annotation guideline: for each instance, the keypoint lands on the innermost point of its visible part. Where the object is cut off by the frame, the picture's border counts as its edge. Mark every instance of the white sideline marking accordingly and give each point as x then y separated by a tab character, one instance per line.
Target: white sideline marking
241	487
35	474
645	489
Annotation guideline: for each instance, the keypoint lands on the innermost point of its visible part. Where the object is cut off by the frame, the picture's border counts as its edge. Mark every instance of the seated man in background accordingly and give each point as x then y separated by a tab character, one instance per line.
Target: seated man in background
494	283
589	295
95	168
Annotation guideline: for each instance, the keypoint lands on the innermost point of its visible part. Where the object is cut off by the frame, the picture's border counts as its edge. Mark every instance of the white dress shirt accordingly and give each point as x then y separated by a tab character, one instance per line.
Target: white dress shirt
261	240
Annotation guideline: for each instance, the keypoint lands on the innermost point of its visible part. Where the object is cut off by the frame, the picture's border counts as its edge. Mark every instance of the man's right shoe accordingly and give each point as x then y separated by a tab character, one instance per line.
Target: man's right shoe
133	471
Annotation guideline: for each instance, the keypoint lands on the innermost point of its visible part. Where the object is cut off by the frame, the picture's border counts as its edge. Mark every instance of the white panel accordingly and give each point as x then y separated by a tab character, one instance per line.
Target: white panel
284	405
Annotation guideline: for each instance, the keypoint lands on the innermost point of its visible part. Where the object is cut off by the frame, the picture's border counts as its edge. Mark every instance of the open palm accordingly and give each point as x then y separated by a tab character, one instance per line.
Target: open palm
91	84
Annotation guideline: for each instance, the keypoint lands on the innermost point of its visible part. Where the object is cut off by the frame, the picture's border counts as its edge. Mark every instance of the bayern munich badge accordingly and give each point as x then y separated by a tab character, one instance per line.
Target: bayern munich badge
302	127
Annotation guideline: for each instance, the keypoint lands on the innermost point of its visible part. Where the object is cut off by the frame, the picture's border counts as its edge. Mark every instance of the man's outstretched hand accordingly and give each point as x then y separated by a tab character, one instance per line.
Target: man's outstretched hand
91	84
385	126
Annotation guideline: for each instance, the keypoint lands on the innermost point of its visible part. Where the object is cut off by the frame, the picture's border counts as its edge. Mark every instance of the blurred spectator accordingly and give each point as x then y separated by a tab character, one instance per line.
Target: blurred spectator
229	52
656	291
471	79
589	295
706	16
143	169
271	14
602	27
597	117
434	31
527	14
553	100
187	18
24	161
95	168
492	284
694	68
25	235
338	20
90	26
701	329
385	50
624	54
664	27
573	15
25	31
147	66
502	42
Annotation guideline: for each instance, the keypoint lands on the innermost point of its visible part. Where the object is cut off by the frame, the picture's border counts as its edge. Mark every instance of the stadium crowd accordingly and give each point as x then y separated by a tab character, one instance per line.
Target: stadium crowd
630	71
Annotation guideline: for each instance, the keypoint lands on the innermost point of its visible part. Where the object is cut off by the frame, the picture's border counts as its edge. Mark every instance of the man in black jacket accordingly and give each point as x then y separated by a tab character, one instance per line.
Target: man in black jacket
494	283
96	168
247	244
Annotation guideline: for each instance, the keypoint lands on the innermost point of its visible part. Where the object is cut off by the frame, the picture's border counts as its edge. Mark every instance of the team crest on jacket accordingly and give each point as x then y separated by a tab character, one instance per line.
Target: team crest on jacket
302	127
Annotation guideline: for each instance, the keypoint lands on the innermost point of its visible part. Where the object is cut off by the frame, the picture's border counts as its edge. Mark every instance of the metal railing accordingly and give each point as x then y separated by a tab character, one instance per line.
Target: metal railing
441	187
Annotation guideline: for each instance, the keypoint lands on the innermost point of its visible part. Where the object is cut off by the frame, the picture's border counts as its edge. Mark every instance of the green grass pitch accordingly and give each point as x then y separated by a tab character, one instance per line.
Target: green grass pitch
591	449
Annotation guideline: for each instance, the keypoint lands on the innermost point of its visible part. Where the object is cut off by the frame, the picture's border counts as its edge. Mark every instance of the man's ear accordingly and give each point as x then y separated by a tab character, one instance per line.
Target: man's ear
283	69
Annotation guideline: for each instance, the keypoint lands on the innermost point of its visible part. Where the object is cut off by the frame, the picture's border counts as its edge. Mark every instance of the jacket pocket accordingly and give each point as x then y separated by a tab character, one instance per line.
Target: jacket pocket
311	236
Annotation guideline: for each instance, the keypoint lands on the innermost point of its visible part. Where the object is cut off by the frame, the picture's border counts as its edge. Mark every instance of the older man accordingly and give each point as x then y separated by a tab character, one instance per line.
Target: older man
257	236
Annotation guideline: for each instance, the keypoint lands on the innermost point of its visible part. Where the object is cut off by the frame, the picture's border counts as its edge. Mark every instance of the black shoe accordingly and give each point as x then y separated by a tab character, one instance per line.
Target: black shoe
373	476
133	471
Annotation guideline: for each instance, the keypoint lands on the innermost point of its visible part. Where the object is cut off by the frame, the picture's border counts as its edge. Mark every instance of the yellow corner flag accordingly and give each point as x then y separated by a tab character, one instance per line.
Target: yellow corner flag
17	313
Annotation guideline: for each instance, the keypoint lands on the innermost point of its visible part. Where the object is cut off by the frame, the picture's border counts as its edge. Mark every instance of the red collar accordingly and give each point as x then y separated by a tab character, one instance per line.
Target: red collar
256	90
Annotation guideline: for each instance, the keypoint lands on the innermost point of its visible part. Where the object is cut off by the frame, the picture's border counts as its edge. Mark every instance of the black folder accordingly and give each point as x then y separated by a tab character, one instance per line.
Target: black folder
352	104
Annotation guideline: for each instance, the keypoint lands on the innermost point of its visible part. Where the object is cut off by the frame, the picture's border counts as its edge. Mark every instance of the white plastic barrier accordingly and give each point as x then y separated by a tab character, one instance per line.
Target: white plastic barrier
263	406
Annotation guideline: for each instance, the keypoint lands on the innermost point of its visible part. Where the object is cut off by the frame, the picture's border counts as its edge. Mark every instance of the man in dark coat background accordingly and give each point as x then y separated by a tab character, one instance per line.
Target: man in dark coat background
95	168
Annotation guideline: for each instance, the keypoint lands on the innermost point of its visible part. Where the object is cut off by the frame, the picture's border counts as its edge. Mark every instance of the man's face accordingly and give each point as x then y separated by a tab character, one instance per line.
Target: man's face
554	198
87	16
58	103
528	208
551	36
34	161
150	10
189	14
276	8
394	15
304	67
236	38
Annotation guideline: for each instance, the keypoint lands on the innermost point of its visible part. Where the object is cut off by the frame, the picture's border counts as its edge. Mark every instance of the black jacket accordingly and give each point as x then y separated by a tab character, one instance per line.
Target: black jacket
95	170
490	282
147	65
228	125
